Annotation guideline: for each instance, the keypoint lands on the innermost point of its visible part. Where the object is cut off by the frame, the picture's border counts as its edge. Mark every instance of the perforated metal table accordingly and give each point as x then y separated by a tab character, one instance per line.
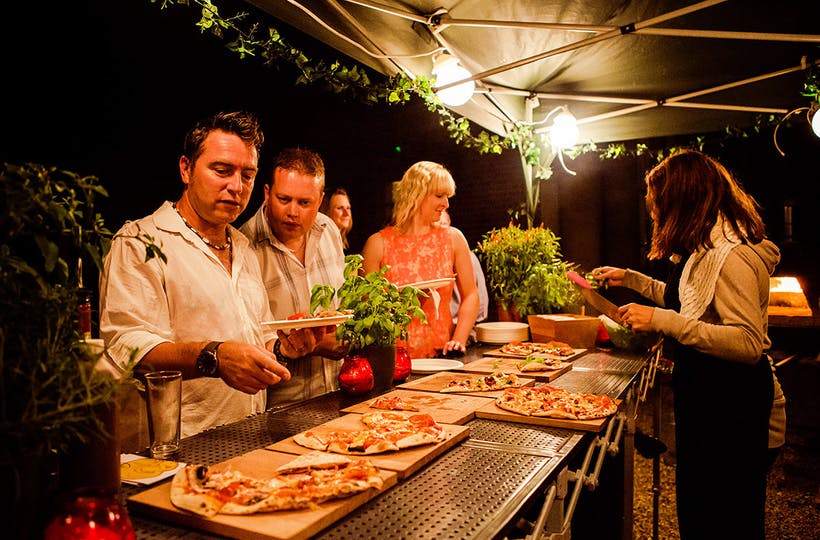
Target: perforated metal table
478	489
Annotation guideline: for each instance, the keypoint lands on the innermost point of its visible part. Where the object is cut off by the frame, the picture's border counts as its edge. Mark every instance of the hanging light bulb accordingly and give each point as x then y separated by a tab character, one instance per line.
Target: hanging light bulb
447	70
815	122
564	131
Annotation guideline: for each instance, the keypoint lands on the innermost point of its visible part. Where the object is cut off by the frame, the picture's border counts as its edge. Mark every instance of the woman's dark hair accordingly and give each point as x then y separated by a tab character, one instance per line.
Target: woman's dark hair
686	194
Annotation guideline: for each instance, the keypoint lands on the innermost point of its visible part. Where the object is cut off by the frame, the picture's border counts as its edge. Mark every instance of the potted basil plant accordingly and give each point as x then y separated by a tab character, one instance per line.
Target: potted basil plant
381	313
525	271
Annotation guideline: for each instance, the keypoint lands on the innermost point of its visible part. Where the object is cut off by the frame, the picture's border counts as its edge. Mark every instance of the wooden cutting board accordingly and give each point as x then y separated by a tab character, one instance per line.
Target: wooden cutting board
444	408
510	365
498	352
493	412
437	381
404	462
281	525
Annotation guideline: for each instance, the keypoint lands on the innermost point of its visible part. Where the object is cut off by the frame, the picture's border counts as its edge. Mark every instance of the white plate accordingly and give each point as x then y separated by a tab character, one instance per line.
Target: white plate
430	283
502	332
288	324
434	365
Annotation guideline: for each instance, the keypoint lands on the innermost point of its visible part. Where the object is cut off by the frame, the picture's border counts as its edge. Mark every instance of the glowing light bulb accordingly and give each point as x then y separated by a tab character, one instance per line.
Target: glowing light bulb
564	132
447	70
815	122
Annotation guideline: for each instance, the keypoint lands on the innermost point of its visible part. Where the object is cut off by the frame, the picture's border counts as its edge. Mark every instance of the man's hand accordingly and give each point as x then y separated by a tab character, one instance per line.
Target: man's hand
249	368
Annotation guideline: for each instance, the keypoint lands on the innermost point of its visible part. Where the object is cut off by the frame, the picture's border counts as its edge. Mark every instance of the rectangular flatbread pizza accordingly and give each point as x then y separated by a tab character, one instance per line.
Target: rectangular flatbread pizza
498	380
554	402
308	480
382	431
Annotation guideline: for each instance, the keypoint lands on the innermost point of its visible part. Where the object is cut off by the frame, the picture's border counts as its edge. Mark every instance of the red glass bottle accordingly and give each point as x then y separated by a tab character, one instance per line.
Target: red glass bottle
403	364
84	314
356	375
90	514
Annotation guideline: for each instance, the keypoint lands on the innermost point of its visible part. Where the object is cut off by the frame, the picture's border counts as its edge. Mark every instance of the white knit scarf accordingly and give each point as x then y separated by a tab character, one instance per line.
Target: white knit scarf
699	276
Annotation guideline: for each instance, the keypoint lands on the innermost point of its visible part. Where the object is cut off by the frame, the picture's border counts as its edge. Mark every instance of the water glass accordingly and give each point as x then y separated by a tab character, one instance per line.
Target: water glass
164	390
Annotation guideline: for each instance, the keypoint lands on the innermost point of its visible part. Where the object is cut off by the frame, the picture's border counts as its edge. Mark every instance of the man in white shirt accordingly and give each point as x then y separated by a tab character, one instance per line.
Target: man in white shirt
297	248
200	312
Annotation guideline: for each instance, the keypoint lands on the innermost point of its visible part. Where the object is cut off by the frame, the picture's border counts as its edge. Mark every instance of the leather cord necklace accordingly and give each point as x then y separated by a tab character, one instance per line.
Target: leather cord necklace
222	247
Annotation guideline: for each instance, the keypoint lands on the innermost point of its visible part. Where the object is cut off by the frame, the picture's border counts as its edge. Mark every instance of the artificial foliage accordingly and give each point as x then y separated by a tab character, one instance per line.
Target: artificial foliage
524	269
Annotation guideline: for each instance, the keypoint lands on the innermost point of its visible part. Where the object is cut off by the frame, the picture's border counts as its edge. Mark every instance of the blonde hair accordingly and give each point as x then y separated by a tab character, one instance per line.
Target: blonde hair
421	179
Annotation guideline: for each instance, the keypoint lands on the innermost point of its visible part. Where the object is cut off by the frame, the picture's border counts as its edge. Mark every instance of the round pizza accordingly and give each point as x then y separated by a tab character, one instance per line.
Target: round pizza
383	432
556	402
306	481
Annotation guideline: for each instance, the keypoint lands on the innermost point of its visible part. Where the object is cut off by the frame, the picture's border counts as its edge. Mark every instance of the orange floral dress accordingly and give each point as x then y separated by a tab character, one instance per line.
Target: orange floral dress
421	258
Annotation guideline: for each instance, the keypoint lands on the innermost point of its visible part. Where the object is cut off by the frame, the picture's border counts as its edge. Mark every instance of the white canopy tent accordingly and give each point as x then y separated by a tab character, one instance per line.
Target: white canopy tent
626	69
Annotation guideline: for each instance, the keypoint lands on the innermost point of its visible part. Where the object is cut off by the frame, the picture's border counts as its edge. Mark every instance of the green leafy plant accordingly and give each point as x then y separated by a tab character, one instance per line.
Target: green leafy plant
49	389
525	271
381	311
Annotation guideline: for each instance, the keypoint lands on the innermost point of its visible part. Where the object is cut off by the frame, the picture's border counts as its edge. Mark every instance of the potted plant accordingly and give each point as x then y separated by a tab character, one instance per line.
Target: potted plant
525	272
56	409
381	314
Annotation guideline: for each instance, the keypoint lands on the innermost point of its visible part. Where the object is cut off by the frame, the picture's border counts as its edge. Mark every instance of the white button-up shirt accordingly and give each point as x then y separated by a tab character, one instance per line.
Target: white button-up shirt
190	298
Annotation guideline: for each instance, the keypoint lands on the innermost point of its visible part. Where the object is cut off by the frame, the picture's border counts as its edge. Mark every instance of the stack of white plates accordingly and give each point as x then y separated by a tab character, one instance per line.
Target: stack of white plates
502	332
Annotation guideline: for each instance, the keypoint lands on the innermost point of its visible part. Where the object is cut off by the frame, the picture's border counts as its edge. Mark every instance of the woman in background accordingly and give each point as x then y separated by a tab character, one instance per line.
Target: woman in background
713	315
337	207
417	248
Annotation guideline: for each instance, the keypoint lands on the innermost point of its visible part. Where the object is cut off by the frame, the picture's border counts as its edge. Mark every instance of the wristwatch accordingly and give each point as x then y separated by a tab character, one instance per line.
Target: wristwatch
277	350
207	362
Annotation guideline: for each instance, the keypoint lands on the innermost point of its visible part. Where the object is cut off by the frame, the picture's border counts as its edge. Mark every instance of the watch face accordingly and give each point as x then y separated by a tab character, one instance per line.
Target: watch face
206	362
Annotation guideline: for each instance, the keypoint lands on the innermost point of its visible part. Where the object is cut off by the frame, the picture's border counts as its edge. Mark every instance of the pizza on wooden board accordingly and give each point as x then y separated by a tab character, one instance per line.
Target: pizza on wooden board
392	403
538	363
527	348
497	380
383	432
305	482
554	402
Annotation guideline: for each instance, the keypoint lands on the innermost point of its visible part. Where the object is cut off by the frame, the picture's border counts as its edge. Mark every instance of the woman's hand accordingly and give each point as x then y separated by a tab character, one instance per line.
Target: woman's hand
609	275
453	346
636	316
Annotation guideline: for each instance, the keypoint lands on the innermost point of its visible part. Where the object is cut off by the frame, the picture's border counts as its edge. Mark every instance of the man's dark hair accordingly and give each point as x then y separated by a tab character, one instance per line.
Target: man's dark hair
241	123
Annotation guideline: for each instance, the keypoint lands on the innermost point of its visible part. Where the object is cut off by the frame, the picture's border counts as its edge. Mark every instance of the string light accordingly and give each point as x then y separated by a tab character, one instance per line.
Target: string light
564	131
447	70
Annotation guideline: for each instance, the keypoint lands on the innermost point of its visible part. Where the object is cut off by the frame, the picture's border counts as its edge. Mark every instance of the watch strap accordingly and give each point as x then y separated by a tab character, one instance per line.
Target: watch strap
207	361
277	350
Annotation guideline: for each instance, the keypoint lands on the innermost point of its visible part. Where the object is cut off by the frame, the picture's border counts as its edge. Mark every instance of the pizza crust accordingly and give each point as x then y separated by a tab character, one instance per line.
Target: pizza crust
313	460
199	489
188	493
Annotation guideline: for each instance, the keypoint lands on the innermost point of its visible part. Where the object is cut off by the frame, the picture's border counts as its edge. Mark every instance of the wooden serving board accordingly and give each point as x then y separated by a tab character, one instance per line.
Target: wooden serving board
280	525
493	412
404	462
498	352
489	364
437	381
444	408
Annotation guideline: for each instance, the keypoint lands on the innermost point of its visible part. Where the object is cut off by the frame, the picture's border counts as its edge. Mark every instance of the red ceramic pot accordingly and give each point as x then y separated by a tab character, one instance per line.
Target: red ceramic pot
403	365
356	376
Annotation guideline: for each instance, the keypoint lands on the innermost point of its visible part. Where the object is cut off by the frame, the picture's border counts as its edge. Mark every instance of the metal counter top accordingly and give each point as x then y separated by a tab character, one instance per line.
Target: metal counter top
478	489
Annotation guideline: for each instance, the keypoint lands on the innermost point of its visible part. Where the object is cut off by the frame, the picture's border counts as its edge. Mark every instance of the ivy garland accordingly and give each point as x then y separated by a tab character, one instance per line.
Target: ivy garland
242	36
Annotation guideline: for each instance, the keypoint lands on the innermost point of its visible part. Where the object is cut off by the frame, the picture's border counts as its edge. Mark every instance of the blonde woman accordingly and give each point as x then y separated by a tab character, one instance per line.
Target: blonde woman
417	247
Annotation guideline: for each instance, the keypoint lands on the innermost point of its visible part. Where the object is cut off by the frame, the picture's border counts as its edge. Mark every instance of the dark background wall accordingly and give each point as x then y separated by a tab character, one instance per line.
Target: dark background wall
109	89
